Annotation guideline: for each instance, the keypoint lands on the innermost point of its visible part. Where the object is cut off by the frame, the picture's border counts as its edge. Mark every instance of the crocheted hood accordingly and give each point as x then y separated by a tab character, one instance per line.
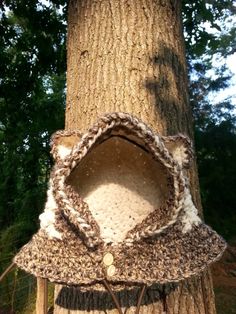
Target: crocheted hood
119	207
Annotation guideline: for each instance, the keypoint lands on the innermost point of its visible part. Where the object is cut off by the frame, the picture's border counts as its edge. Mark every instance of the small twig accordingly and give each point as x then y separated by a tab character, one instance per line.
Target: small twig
106	284
9	268
140	299
163	298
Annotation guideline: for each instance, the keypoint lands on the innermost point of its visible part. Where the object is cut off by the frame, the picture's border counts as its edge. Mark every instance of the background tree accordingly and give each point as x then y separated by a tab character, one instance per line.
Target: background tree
32	91
210	35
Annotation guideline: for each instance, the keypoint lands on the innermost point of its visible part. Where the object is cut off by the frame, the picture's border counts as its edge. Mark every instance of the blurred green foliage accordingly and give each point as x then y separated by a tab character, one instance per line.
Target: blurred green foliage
32	103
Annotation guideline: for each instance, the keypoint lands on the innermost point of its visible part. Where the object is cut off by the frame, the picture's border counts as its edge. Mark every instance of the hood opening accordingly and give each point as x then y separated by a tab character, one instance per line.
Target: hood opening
122	184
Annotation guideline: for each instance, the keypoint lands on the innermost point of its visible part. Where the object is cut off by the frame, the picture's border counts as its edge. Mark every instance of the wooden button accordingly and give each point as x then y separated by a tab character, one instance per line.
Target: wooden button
111	270
108	259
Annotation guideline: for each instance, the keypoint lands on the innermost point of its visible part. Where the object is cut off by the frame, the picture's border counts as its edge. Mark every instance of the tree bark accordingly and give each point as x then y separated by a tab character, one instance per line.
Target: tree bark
128	55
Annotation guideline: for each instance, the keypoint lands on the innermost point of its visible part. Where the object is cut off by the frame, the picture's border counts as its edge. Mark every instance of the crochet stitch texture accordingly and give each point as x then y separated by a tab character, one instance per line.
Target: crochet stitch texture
161	244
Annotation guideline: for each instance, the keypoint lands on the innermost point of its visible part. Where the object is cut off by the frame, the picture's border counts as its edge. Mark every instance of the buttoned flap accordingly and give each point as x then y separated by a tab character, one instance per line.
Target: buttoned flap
119	183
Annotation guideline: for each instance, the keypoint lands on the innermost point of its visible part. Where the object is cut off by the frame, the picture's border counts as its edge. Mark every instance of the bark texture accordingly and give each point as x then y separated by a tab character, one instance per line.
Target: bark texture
128	55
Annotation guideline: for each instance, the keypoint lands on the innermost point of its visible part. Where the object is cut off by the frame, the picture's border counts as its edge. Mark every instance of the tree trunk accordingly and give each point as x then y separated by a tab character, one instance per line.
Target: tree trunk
129	56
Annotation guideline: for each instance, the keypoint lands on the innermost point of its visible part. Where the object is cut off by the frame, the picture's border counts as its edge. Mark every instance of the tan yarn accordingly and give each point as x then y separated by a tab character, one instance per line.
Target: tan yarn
170	244
153	143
